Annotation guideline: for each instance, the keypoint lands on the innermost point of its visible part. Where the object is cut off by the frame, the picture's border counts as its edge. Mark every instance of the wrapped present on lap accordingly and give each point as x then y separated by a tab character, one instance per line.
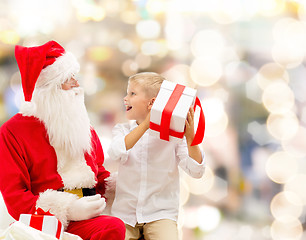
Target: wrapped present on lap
170	109
43	221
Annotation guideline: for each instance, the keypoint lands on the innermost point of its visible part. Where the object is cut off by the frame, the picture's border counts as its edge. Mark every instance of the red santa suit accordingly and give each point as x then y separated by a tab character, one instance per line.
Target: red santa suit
33	175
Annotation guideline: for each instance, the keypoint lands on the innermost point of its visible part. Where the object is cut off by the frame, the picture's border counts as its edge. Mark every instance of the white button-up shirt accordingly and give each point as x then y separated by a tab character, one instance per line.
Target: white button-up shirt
148	186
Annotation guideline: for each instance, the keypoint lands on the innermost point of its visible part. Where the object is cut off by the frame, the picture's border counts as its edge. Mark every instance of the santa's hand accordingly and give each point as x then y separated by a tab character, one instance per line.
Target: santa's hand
86	208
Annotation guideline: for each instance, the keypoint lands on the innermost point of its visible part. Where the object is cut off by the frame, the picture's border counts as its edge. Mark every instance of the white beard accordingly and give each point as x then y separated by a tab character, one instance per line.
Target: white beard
64	115
65	118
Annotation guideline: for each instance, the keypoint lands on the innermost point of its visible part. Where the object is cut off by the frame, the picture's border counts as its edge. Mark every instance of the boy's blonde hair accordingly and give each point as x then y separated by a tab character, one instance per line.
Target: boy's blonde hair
149	81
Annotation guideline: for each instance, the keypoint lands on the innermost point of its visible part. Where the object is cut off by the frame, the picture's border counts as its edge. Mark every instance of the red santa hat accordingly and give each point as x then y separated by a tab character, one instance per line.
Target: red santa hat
44	65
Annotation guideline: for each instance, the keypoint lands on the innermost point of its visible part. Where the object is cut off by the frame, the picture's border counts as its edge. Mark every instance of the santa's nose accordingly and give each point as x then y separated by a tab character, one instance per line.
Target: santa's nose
71	83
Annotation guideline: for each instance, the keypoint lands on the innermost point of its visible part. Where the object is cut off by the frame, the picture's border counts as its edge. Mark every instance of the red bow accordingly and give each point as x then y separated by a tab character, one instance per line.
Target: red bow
37	222
40	211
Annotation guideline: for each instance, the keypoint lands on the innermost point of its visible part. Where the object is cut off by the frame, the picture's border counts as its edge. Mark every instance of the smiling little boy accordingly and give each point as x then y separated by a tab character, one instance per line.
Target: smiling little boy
147	190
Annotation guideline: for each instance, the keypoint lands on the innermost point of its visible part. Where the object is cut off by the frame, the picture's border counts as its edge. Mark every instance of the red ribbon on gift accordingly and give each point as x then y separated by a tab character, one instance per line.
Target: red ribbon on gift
167	112
164	127
199	135
37	222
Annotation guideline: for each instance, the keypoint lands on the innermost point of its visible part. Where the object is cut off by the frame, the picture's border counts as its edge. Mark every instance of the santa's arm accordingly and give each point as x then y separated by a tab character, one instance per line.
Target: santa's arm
102	172
15	184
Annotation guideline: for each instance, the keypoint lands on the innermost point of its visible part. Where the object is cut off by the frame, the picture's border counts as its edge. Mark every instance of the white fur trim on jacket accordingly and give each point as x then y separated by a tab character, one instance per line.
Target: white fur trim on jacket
110	185
74	171
57	203
110	190
79	175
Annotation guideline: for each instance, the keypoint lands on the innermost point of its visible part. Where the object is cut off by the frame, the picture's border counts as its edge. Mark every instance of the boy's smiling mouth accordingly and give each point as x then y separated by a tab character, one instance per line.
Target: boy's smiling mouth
128	108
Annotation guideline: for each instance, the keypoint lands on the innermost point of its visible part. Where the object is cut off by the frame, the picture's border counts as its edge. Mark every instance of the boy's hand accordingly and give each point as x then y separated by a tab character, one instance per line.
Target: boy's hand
189	126
193	151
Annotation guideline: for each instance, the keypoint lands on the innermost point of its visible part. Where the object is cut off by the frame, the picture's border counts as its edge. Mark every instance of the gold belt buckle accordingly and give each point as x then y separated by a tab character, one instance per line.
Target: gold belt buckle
77	192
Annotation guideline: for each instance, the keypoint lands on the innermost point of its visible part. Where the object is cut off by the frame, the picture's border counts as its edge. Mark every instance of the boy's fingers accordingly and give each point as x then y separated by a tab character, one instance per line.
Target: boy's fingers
190	118
186	123
191	111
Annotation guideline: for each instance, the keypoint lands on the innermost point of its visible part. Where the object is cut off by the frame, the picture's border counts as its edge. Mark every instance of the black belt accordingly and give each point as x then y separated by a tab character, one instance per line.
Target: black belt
89	191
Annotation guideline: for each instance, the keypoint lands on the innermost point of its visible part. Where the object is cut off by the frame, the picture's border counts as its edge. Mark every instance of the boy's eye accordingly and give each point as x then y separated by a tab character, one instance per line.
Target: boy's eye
132	93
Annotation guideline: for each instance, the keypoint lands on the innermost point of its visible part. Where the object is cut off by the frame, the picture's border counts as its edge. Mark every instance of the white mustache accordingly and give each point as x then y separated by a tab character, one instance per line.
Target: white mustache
75	91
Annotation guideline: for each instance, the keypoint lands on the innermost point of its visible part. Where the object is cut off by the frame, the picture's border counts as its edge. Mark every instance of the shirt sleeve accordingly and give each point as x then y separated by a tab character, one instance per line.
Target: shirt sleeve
188	164
15	182
117	150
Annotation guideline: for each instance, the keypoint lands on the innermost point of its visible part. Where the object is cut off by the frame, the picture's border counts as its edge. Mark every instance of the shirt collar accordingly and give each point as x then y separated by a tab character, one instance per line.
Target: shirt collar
133	125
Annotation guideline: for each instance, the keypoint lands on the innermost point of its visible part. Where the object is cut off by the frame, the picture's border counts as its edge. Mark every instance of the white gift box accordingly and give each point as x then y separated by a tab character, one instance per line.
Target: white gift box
173	100
46	223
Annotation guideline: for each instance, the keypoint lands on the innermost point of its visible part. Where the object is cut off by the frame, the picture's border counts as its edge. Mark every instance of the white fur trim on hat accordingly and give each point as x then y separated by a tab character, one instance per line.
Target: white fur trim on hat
61	70
52	77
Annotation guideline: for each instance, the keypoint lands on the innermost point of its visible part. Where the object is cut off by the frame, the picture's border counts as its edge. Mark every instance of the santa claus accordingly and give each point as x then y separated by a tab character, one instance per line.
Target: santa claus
50	156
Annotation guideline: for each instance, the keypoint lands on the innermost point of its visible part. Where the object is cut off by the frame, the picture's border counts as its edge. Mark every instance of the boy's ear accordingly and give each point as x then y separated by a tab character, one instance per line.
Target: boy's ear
151	103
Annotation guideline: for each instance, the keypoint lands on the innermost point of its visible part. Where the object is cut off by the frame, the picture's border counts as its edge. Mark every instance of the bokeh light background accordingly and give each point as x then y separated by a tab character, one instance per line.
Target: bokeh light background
246	58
